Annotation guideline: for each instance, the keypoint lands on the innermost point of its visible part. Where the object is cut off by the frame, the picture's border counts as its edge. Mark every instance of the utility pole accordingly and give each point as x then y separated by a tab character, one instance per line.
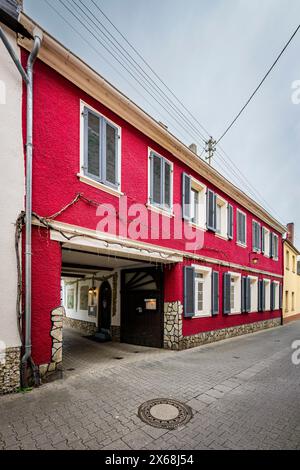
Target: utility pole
210	149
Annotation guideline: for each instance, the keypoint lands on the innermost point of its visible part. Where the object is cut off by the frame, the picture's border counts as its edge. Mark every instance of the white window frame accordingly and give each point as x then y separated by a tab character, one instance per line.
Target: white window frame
267	284
237	293
277	293
266	242
221	202
201	189
87	179
158	207
257	250
244	245
253	293
207	276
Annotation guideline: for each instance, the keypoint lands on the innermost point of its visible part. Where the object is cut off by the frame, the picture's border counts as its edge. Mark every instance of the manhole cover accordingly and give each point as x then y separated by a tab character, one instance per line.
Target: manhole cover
165	413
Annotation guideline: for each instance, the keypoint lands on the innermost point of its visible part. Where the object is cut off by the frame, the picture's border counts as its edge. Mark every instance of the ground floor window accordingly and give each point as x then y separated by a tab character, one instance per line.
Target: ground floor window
235	293
202	291
253	294
267	284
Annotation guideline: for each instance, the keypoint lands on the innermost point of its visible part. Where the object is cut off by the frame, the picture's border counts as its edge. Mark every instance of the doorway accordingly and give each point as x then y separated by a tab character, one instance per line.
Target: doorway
142	307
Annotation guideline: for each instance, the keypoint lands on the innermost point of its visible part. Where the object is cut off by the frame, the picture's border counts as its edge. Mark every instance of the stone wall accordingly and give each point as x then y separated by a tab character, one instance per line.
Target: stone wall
217	335
55	366
10	370
172	324
173	338
85	327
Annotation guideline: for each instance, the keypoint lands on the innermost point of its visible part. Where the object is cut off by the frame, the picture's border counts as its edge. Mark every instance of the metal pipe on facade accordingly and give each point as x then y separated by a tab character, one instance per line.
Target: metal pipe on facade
28	78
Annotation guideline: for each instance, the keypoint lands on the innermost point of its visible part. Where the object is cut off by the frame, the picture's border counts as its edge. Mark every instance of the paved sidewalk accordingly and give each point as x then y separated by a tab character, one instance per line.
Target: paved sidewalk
244	394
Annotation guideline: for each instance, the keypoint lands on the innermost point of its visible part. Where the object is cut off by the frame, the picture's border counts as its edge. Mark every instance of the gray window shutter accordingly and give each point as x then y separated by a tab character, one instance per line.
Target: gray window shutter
167	185
110	154
230	221
186	196
243	294
253	235
189	291
226	293
263	240
211	201
248	295
271	245
272	300
215	293
261	296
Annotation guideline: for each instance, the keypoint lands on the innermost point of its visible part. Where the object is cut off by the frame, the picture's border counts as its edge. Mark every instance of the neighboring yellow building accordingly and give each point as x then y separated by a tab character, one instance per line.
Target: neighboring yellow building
291	281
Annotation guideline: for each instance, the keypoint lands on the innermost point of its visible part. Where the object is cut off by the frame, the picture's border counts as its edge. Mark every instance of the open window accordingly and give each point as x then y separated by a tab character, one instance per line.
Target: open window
221	217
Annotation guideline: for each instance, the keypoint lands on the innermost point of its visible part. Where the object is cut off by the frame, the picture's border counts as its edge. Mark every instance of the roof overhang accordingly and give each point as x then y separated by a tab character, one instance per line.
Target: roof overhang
84	77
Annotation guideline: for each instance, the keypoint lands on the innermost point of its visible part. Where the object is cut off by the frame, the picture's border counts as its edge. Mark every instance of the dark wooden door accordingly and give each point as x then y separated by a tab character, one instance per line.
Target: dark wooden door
104	306
142	307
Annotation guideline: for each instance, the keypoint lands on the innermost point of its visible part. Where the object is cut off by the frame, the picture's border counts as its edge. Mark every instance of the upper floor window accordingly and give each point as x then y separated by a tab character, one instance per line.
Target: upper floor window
256	236
287	259
273	246
100	148
193	200
221	216
160	181
265	241
241	227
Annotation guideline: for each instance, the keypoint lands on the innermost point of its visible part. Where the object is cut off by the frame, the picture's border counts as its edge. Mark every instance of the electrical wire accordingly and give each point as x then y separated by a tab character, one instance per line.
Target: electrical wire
260	84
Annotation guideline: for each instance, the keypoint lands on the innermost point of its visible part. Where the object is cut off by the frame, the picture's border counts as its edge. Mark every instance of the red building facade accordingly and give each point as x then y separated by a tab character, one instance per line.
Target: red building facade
221	277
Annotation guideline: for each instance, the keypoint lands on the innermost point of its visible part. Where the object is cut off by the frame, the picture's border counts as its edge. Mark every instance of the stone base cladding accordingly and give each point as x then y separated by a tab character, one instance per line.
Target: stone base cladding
218	335
86	327
54	368
10	370
115	333
172	324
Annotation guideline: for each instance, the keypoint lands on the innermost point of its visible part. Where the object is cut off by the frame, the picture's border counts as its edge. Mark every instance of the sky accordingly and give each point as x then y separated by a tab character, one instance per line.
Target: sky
212	54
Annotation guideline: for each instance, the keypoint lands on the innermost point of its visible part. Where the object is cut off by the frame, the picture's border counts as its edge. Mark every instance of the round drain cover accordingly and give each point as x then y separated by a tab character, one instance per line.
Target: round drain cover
165	413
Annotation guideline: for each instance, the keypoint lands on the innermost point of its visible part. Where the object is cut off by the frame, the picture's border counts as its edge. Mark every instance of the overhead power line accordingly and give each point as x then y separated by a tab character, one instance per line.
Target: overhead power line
260	84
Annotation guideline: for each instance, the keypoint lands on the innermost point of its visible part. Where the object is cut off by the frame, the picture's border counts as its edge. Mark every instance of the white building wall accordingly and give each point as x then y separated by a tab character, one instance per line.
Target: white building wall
12	187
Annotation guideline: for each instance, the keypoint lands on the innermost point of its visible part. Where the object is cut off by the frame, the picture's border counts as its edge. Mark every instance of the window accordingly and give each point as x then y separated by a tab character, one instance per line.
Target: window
273	246
195	206
275	295
294	263
256	236
193	201
286	301
70	298
265	241
160	182
287	260
293	301
232	293
101	148
267	289
83	297
202	291
221	217
241	227
253	293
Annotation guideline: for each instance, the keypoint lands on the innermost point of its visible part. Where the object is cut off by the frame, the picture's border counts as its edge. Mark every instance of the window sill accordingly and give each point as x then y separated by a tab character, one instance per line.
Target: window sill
235	313
220	235
96	184
160	210
242	245
200	227
201	315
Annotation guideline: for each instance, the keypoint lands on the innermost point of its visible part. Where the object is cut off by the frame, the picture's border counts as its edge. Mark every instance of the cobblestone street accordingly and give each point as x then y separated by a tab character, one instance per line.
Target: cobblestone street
244	393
